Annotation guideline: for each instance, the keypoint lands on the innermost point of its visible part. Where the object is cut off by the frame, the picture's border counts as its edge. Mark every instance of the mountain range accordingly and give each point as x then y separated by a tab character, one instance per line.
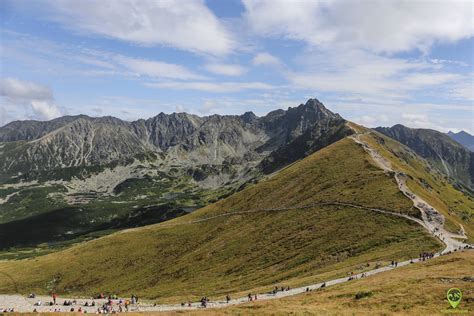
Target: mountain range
230	145
221	204
88	175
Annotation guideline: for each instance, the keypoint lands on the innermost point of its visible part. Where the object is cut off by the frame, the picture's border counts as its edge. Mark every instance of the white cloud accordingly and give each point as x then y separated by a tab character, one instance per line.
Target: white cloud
24	90
187	25
226	69
265	59
219	87
158	69
35	97
367	74
45	109
381	26
464	90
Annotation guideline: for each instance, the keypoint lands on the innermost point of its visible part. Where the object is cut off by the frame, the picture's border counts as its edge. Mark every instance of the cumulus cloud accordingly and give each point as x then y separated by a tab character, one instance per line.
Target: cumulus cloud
13	88
226	69
217	87
35	97
45	109
189	25
381	26
265	59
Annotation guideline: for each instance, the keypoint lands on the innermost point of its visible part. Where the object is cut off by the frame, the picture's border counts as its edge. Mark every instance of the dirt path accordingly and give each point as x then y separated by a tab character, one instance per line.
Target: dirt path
433	220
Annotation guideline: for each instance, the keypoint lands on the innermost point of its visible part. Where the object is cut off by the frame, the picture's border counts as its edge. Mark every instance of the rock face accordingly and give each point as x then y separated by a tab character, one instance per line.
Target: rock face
465	139
230	144
439	149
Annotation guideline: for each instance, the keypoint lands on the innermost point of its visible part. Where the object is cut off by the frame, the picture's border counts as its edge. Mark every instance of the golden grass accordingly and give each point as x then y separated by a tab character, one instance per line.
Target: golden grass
418	289
244	252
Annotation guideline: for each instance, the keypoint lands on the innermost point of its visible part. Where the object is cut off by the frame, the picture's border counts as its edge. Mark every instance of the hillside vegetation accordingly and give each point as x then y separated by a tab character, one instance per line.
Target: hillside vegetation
419	289
178	260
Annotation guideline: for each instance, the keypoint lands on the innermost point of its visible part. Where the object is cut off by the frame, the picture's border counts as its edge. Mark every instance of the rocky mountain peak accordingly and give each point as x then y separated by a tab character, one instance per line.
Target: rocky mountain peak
248	117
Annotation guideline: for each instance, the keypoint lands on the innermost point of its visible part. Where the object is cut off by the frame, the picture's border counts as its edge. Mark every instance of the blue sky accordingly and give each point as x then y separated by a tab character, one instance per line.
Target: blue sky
375	63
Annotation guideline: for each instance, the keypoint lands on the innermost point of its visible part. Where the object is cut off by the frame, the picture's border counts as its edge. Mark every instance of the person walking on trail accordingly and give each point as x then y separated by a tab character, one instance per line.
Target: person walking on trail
54	298
127	302
250	297
227	298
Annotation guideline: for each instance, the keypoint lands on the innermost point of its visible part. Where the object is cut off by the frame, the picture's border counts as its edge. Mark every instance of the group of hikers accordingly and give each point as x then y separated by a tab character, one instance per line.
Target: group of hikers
281	289
426	255
111	305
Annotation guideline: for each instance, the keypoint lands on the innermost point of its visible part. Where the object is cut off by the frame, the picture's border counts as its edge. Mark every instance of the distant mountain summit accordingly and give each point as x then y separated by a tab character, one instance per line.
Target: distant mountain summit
464	138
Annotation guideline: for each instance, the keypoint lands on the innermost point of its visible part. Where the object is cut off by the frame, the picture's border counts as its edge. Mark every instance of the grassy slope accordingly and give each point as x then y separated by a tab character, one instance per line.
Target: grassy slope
457	207
414	290
243	252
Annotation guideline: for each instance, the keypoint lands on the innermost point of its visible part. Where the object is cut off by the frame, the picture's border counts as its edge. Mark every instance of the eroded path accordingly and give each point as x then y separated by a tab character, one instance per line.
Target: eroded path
432	219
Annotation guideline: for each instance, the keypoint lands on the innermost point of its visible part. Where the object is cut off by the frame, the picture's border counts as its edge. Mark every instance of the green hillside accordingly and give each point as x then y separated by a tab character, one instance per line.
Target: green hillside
178	260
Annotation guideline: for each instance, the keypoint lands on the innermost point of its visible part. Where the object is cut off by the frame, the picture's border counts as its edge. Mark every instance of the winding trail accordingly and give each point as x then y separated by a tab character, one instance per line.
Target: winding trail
431	219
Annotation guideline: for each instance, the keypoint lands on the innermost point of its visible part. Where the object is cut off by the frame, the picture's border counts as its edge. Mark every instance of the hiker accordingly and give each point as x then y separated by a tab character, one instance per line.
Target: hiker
54	298
288	288
255	297
307	289
227	298
127	302
250	297
323	285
